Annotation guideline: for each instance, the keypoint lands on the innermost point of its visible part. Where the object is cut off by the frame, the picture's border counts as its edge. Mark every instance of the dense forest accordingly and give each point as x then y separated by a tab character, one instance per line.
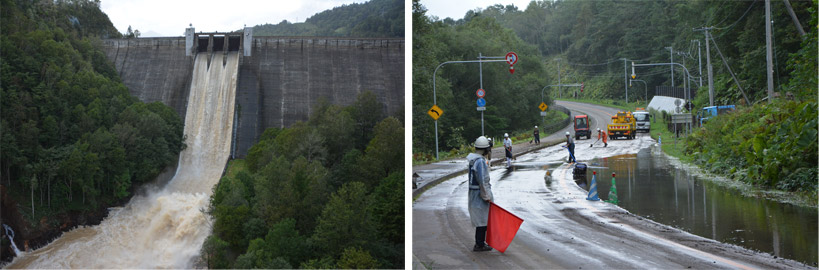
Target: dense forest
594	41
328	193
73	138
376	18
512	99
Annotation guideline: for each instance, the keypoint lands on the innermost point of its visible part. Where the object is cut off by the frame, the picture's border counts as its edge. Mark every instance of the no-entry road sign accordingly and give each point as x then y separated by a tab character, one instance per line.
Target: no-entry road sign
511	58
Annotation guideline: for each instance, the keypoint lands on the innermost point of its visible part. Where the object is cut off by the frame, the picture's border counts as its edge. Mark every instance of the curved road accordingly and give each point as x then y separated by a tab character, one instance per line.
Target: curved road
561	228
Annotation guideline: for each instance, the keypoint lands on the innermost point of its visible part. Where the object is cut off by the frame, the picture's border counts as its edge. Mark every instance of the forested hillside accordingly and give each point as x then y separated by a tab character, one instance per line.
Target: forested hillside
328	193
512	99
590	38
376	18
73	139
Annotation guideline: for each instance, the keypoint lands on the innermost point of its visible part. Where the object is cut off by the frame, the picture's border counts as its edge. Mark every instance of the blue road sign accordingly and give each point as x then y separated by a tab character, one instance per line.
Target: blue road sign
481	102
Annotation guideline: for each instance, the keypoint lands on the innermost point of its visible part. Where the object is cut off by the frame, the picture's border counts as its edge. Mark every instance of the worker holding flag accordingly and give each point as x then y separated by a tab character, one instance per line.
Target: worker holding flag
480	191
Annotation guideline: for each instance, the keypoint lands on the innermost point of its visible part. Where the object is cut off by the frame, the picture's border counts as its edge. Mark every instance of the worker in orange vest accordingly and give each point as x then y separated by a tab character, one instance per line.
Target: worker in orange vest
602	135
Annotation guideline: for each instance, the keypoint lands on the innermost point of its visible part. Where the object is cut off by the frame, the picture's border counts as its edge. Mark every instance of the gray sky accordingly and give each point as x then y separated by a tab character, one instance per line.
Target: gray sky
456	9
171	17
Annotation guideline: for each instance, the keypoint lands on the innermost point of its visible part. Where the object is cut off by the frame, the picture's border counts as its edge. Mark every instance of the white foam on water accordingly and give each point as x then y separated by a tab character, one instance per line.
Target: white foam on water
163	229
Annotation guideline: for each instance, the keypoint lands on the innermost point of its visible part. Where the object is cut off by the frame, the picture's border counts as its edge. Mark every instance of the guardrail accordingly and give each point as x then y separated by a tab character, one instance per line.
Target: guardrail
554	127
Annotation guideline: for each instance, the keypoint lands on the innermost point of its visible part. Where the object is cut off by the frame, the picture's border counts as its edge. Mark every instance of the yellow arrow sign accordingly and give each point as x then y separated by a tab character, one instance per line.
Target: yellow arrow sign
435	112
543	106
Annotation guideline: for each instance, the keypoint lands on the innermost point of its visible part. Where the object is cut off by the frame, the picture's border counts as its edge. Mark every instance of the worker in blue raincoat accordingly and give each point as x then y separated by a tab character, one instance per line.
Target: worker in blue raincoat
570	146
480	192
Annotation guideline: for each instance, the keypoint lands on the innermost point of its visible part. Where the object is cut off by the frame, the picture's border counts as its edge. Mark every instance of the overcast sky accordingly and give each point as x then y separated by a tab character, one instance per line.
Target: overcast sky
171	17
456	9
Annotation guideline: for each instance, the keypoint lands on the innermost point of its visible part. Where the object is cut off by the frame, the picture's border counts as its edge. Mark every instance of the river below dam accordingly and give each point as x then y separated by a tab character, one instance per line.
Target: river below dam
164	228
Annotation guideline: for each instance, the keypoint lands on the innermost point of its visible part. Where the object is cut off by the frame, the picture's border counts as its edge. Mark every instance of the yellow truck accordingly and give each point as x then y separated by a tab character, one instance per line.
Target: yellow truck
622	125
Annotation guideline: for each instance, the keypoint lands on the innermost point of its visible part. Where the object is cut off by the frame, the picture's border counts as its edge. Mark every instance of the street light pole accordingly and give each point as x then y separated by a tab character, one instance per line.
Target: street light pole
644	84
435	95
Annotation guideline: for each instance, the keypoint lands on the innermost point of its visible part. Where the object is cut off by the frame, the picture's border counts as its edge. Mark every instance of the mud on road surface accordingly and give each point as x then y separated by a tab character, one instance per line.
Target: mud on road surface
561	228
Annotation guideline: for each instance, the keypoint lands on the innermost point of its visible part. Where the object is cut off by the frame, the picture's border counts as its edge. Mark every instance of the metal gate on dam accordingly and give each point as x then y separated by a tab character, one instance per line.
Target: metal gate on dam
280	78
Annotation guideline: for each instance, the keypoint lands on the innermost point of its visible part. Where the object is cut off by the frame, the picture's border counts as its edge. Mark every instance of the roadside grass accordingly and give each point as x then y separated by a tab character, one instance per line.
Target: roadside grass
670	144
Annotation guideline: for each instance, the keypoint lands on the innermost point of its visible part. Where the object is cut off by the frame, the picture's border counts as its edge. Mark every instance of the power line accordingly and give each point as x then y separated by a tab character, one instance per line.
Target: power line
740	18
598	64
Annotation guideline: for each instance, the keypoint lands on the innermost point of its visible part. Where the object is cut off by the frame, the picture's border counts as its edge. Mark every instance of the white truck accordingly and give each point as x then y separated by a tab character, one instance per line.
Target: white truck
642	118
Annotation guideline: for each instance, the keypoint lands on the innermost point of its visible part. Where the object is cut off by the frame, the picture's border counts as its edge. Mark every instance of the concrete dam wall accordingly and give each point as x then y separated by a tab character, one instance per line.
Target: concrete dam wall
280	78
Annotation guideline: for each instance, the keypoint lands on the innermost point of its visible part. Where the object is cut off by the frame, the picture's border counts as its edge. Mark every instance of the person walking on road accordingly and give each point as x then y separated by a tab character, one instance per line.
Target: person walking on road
537	135
570	146
491	144
601	135
507	144
480	192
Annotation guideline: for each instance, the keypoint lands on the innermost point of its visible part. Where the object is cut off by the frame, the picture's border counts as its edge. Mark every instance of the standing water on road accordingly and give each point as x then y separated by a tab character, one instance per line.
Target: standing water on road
649	186
166	228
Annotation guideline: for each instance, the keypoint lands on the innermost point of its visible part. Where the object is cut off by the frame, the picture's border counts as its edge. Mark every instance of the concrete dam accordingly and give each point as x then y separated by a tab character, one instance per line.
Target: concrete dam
279	78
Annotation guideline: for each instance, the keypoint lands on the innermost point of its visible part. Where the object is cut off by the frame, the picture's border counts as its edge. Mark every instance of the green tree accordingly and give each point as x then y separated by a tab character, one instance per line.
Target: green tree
214	253
346	220
382	157
356	258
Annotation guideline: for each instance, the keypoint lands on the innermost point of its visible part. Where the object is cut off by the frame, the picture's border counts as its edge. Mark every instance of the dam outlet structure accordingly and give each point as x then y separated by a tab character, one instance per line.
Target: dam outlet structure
280	79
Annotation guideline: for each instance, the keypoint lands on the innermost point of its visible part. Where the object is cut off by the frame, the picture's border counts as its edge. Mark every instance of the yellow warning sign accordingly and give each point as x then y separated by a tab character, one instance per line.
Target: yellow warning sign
435	112
543	106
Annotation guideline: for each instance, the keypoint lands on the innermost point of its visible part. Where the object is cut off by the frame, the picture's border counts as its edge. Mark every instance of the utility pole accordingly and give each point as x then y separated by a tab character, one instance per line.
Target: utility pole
769	51
708	65
699	59
625	77
794	18
725	62
480	68
672	66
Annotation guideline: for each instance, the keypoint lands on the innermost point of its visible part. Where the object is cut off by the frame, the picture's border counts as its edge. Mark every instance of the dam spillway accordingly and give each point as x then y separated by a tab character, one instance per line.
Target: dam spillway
164	228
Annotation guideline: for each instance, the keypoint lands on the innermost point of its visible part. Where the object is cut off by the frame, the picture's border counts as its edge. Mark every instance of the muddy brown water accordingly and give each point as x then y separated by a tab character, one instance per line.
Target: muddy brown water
649	186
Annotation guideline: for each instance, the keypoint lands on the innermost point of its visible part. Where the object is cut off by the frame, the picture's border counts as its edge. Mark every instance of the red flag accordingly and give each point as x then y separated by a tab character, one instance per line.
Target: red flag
502	227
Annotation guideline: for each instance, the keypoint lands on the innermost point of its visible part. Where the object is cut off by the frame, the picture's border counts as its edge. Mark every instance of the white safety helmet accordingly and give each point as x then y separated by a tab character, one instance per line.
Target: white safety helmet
598	130
535	126
568	134
481	142
506	135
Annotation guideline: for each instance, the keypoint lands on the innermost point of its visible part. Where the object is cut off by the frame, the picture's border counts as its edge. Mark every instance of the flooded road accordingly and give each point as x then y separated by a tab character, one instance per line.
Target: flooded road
649	186
562	229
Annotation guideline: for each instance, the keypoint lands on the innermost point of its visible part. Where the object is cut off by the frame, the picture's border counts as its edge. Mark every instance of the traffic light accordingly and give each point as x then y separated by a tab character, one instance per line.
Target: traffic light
582	85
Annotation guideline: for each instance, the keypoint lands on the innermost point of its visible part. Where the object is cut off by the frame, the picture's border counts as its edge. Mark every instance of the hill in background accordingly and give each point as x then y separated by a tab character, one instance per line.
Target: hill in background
376	18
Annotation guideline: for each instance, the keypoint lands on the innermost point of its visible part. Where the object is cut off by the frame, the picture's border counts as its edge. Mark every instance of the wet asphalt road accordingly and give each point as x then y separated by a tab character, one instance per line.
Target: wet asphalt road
561	228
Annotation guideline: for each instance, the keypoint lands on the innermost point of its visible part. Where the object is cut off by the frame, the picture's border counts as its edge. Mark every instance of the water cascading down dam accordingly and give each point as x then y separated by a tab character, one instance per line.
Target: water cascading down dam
164	228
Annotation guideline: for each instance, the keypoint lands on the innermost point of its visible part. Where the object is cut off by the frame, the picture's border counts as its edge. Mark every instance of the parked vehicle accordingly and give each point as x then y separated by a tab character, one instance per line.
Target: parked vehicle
711	111
643	120
622	125
581	127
